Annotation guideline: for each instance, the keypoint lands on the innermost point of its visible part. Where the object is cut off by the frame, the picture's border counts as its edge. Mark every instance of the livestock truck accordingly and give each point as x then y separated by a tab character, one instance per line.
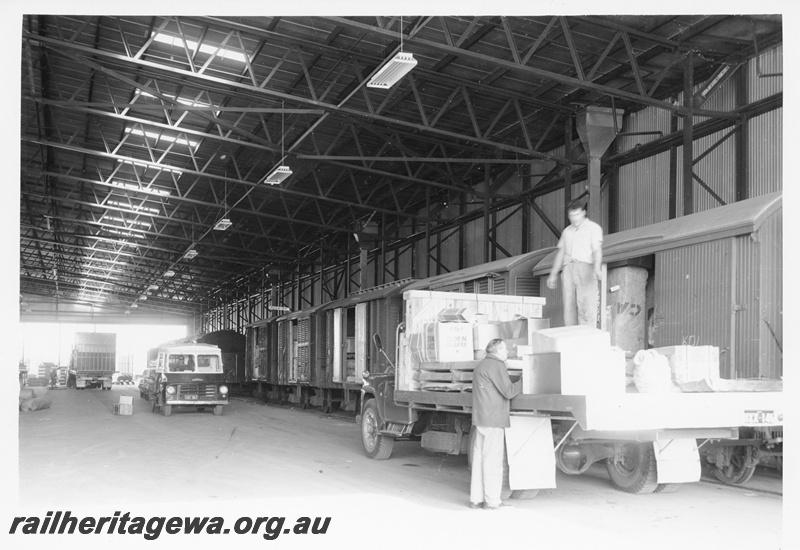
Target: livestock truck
576	408
93	360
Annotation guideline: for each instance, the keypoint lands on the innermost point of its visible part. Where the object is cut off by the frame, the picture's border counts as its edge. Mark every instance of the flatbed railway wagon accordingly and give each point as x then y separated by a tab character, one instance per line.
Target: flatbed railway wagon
649	442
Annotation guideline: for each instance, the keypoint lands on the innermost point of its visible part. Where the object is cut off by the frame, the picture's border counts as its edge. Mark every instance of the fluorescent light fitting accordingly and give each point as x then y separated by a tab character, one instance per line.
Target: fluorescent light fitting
223	224
278	175
142	298
152	287
190	254
169	273
394	69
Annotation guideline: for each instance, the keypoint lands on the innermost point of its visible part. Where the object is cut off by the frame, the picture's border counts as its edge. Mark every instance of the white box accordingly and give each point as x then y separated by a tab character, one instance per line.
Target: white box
569	338
125	400
575	372
123	409
692	363
541	374
592	371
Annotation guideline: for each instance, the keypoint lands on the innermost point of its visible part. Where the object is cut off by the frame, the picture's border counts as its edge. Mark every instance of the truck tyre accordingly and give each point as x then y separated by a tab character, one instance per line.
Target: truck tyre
636	472
217	410
376	446
167	410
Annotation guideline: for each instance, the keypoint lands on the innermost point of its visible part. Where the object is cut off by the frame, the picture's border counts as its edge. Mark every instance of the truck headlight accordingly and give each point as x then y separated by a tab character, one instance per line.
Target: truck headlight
223	390
170	390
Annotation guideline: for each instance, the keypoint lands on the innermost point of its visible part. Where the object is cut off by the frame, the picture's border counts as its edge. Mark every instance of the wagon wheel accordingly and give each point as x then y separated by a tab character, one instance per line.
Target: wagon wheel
740	468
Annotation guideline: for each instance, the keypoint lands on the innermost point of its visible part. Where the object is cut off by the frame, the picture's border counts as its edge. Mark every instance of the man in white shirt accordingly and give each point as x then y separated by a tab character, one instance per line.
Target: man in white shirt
580	253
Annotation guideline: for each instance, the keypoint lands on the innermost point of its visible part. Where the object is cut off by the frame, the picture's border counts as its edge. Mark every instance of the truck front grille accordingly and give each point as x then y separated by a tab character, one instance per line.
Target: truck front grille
200	391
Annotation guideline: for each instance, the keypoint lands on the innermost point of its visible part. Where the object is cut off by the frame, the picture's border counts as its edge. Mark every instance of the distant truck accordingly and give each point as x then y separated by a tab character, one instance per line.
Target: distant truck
186	375
93	360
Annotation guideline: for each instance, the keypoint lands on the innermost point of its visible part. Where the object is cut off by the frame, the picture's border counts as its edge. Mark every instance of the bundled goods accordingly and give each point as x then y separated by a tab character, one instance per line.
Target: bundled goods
692	363
35	404
652	373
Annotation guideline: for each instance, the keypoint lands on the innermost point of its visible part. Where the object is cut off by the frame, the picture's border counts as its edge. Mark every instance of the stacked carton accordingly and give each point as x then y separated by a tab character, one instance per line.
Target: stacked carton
574	360
692	363
124	407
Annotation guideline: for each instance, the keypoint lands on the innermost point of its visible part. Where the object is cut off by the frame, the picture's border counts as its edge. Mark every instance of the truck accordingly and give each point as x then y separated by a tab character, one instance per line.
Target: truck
93	360
649	442
186	375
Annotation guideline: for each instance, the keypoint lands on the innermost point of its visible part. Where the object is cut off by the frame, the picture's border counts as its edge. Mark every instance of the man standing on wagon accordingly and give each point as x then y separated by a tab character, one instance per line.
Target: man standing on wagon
580	253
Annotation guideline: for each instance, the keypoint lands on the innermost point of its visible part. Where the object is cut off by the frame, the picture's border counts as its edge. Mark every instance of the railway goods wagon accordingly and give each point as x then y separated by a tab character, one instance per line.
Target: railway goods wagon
232	345
712	278
317	356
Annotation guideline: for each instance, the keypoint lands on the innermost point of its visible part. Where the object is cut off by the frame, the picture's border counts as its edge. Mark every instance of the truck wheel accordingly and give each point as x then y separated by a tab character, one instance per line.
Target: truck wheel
217	410
740	468
376	446
167	410
635	472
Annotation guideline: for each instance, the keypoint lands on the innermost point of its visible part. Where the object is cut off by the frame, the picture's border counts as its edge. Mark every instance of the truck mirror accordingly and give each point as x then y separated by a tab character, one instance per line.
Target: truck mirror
376	338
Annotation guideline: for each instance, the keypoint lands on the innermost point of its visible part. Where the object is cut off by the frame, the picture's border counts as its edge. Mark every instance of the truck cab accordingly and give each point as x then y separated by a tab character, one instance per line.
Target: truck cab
189	375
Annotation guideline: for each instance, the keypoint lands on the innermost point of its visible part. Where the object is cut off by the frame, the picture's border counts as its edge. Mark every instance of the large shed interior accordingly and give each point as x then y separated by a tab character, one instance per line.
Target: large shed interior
146	143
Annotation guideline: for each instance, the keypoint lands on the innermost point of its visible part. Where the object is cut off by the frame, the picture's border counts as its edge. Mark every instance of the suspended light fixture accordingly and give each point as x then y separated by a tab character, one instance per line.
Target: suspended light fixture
280	173
223	224
152	287
190	254
169	273
394	69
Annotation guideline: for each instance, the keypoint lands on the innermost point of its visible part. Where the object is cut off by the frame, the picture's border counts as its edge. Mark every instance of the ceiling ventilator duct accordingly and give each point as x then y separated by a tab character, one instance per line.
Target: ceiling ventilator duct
395	69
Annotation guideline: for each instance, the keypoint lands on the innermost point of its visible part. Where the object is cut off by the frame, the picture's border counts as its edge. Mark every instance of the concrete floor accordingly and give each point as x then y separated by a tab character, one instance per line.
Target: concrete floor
262	460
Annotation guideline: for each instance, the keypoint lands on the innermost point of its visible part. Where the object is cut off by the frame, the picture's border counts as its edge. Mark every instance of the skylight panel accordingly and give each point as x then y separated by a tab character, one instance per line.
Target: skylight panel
148	190
191	45
145	165
157	136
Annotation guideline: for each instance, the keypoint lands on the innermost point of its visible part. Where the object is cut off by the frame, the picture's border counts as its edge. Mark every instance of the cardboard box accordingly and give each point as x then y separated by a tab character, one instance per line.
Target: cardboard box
569	338
441	342
692	363
541	374
575	372
125	400
122	409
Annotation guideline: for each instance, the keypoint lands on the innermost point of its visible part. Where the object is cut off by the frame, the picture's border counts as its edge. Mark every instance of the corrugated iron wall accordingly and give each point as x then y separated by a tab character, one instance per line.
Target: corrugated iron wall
771	298
693	297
